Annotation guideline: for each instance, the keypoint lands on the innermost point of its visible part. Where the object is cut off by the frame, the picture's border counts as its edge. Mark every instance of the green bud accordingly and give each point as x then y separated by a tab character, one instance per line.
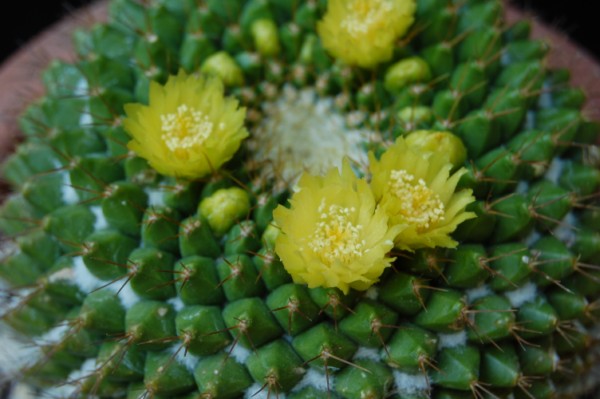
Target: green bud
408	70
438	144
415	116
265	36
222	65
224	207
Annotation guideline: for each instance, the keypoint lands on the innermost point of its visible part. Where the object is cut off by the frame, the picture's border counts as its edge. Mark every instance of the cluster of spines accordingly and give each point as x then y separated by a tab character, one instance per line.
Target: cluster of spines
76	131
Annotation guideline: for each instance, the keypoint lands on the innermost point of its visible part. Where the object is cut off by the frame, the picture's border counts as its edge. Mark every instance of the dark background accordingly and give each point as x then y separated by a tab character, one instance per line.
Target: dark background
573	17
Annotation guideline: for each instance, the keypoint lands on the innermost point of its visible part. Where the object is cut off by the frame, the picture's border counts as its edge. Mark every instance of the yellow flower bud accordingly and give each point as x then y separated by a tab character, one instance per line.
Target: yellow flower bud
440	144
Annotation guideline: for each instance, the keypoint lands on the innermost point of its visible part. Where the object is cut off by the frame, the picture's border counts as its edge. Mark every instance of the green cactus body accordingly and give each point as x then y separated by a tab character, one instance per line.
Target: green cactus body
135	284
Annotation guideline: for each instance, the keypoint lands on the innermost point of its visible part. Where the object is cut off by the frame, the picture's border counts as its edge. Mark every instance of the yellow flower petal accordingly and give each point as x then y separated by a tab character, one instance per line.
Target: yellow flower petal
363	32
418	192
189	129
333	234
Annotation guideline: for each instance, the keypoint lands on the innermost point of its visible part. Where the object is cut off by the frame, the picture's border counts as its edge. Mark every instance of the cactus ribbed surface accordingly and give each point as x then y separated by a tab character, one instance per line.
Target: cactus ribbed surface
132	283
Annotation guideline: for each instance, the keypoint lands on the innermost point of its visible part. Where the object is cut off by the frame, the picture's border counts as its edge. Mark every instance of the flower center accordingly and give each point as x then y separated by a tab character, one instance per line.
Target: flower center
185	129
301	132
365	16
419	205
336	238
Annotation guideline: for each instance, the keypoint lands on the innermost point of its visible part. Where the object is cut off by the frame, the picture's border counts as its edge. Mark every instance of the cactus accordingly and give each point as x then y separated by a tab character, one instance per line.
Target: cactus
141	271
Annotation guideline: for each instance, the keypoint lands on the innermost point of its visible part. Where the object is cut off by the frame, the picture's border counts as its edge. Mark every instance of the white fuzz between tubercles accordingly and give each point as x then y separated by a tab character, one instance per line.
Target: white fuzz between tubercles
85	120
315	379
187	359
367	353
100	223
82	277
156	198
521	295
239	353
302	132
68	193
554	170
177	303
70	389
566	231
126	294
409	384
452	340
474	294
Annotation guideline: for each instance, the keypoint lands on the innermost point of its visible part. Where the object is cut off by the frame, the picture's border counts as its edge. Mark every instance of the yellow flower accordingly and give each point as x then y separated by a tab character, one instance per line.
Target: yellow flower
333	235
189	129
363	32
418	193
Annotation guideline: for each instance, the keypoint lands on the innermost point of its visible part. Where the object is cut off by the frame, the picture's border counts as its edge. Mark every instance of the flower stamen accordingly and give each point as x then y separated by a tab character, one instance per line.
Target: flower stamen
185	129
364	17
419	205
336	238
